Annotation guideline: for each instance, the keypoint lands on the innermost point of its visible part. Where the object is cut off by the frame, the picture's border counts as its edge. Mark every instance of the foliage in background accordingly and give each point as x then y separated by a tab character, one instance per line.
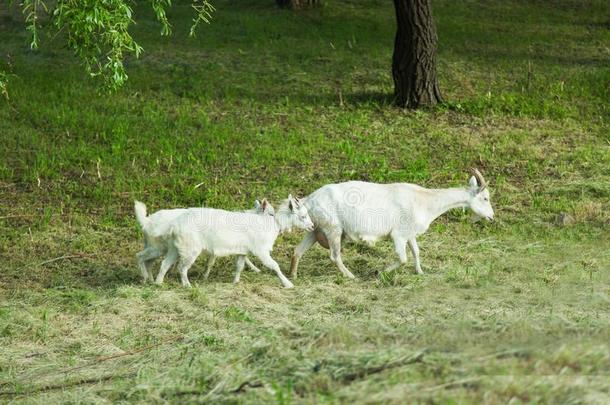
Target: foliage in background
97	31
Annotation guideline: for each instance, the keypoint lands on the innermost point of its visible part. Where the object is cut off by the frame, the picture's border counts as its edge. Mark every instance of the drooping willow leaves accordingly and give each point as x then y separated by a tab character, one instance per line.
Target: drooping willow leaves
97	31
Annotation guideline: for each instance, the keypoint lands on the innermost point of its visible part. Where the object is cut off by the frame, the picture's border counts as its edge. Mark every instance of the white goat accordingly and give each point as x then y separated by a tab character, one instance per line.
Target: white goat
156	227
225	233
370	211
259	208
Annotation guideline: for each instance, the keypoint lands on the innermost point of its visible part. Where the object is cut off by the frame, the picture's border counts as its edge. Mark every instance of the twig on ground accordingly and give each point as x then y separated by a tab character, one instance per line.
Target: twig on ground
96	361
69	384
218	386
129	353
56	259
377	369
247	384
452	383
34	354
506	353
240	389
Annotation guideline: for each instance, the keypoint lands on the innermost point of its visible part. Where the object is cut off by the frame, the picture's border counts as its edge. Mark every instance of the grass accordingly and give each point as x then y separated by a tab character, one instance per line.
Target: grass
265	102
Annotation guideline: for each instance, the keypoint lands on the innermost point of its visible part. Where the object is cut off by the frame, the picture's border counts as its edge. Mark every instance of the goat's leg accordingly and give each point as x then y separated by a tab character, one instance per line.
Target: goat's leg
239	266
268	262
334	242
166	264
209	265
301	248
415	251
251	265
146	255
148	264
183	267
401	251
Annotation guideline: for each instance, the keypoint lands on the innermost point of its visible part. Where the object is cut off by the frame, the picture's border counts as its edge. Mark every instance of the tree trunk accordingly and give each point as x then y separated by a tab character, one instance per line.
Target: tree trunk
297	4
414	60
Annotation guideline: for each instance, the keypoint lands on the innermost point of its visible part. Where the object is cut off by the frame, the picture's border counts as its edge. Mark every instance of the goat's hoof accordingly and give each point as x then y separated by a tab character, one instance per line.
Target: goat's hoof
288	285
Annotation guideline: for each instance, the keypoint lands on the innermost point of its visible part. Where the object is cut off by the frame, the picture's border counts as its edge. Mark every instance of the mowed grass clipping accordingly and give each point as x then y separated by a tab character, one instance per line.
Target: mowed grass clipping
266	102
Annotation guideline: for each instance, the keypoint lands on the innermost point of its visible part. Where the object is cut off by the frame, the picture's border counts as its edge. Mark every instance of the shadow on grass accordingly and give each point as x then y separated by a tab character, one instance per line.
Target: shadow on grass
357	99
74	272
379	98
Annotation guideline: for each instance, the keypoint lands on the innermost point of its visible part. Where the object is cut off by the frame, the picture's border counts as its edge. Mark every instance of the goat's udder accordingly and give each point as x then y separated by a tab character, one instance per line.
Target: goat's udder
321	238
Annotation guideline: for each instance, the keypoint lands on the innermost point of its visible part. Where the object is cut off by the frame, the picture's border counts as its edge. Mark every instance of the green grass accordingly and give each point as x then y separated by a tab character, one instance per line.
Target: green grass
265	102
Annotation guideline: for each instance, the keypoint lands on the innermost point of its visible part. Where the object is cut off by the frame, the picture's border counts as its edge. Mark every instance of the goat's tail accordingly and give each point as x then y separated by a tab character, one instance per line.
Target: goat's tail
140	210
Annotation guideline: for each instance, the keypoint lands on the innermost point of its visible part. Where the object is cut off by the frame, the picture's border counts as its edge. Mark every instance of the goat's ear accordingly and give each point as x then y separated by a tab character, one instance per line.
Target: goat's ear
291	203
264	204
257	204
473	183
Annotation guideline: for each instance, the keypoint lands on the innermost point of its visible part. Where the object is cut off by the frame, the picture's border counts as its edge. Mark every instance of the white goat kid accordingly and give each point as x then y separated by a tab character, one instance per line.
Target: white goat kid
259	208
370	211
225	233
155	228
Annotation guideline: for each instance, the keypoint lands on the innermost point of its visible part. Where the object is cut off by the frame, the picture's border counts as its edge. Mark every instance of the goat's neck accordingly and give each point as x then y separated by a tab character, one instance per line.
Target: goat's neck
283	220
439	201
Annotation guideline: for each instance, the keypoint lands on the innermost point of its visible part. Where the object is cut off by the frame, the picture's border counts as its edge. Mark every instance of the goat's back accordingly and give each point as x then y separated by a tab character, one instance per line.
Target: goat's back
159	222
226	232
363	210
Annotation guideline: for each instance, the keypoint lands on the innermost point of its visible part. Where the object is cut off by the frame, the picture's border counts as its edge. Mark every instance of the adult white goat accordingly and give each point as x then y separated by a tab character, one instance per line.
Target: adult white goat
225	233
370	211
156	227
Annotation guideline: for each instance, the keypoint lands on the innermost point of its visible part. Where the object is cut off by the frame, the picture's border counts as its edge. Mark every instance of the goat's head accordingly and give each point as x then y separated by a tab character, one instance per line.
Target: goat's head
299	216
479	202
264	207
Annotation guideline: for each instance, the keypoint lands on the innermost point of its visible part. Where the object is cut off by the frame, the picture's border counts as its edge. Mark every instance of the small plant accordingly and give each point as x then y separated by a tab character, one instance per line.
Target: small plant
388	278
238	314
197	296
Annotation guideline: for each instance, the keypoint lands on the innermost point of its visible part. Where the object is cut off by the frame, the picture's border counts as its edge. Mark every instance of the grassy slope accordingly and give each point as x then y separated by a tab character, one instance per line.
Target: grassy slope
266	102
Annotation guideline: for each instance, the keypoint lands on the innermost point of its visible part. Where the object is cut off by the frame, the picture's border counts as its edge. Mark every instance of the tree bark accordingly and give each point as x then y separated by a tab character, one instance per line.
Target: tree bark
414	60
